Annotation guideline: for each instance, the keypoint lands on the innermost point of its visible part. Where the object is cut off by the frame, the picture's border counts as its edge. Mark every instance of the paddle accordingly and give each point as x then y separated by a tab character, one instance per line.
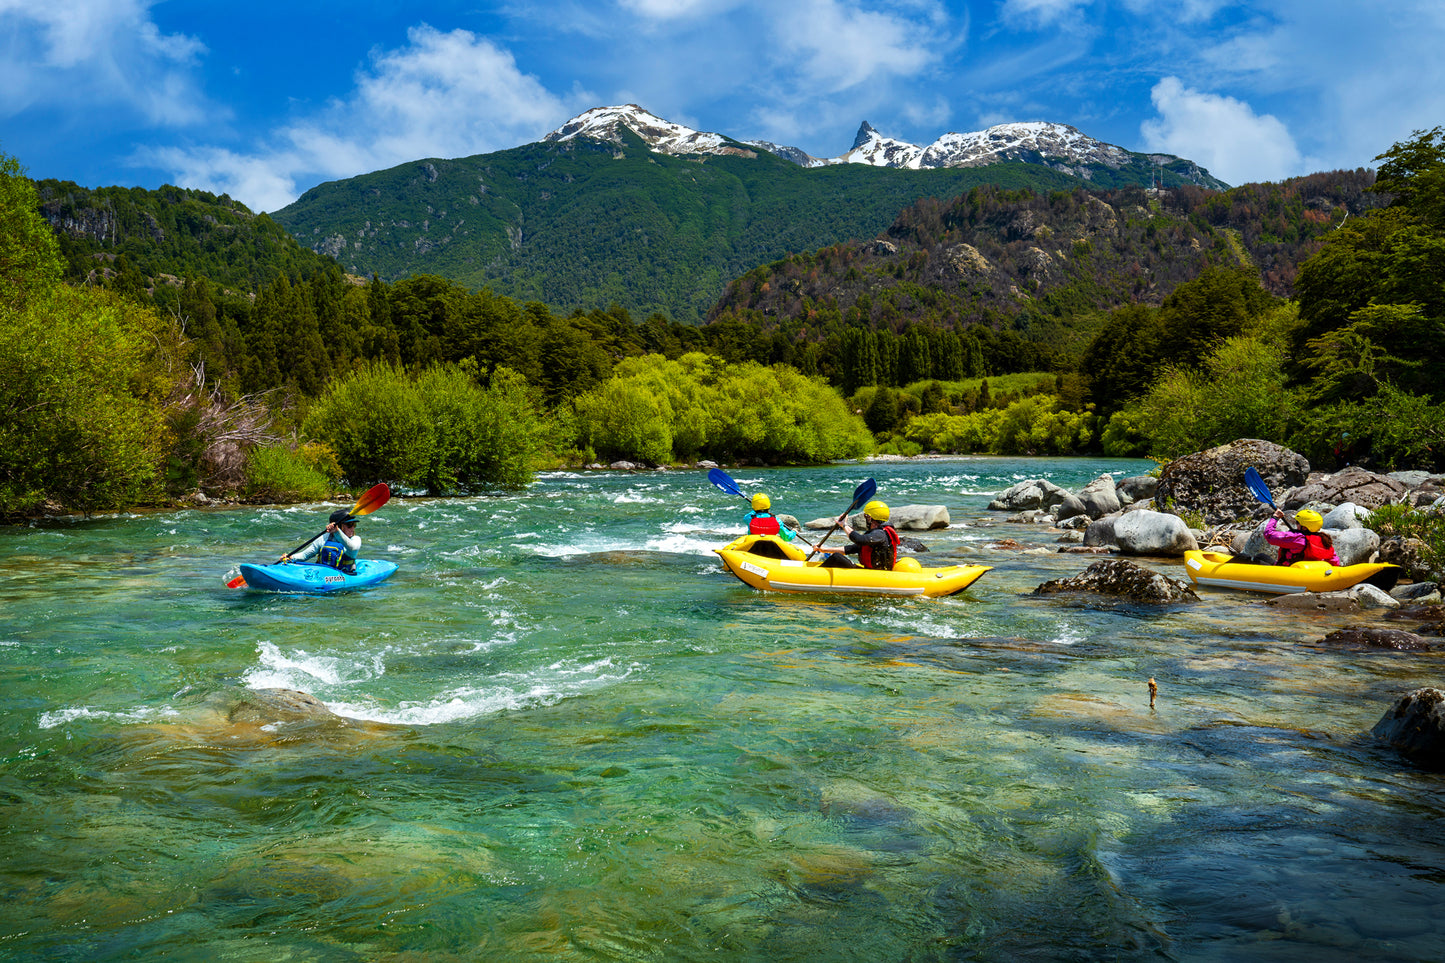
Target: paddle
376	496
723	482
1260	491
860	495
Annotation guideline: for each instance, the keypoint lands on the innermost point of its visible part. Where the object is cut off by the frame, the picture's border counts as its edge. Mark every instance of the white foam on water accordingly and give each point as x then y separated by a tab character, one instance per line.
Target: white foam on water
59	717
303	670
539	687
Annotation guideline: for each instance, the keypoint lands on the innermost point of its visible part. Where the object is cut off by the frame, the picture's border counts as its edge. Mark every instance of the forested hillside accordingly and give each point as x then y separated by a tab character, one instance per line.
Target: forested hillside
143	240
584	223
1047	266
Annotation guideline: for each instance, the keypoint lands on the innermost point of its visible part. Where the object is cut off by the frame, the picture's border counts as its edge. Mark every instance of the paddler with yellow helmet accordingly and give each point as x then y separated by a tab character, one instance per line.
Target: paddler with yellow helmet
1309	543
876	548
762	521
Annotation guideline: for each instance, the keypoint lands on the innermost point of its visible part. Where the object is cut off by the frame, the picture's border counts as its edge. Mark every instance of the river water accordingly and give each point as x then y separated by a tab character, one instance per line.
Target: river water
570	736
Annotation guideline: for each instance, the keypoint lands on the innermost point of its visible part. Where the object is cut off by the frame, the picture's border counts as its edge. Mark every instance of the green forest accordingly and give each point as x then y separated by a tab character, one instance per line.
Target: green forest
204	350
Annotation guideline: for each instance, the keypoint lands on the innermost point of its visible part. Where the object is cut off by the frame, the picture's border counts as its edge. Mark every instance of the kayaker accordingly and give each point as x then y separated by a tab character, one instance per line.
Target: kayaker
1307	544
762	521
876	548
337	546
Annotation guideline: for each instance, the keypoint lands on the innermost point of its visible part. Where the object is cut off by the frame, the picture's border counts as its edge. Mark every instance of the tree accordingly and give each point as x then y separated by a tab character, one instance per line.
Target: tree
30	257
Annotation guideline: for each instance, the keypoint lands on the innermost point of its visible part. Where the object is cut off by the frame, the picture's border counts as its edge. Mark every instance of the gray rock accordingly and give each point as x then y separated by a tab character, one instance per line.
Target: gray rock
1100	533
1315	602
1033	516
1373	637
267	706
1419	592
1368	597
918	518
1415	725
1345	515
1349	485
1122	579
1355	545
1035	493
1211	482
1099	497
1153	533
1071	507
1136	488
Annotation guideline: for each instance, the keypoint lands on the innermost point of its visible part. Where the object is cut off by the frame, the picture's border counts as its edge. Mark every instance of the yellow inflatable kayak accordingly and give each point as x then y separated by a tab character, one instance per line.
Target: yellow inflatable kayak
769	564
1218	569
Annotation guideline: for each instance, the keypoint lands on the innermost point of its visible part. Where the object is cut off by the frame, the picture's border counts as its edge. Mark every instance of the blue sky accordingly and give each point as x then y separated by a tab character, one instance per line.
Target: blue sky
264	100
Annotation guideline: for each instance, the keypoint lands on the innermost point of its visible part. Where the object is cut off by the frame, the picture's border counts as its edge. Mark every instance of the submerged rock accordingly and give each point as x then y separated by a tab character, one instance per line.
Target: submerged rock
1377	638
1415	725
1122	579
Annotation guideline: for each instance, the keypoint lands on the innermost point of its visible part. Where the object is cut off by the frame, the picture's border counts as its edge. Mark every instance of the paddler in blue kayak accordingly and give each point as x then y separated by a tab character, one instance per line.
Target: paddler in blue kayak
338	546
762	521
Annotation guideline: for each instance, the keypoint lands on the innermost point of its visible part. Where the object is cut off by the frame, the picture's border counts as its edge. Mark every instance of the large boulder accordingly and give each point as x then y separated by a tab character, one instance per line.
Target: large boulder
1409	554
1415	725
1345	515
1034	493
918	518
1374	637
1100	533
1152	533
1355	545
1122	579
1211	483
1099	497
1357	485
1136	488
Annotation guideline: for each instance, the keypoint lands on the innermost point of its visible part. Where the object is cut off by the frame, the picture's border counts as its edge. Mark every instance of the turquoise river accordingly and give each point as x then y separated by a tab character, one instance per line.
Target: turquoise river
569	735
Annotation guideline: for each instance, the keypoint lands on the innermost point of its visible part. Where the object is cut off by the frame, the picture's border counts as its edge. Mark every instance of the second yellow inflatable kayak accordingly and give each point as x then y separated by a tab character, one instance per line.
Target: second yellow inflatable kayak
1221	571
769	564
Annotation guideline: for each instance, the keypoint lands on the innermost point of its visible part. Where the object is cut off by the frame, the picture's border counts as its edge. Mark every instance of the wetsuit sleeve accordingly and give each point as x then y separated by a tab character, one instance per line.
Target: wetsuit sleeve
310	549
1284	538
352	542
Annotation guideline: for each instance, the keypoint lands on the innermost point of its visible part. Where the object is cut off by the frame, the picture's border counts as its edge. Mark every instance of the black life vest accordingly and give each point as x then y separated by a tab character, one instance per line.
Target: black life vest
883	557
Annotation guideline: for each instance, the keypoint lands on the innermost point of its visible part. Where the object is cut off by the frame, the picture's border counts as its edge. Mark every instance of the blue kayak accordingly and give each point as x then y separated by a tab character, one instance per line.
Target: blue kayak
309	577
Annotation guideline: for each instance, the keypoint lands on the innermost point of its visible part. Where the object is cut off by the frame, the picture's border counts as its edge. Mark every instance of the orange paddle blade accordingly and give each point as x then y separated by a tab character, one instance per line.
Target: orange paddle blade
236	582
376	496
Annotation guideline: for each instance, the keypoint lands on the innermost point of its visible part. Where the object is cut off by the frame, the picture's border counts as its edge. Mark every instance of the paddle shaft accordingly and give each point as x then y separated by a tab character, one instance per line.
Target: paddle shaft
860	495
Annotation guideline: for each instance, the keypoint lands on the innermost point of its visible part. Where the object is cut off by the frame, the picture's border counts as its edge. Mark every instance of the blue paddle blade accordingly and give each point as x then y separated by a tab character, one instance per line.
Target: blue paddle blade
721	481
864	492
1257	487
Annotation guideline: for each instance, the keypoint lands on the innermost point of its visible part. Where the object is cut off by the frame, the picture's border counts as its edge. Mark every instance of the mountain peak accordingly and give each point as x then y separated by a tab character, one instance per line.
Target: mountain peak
663	136
1057	146
865	134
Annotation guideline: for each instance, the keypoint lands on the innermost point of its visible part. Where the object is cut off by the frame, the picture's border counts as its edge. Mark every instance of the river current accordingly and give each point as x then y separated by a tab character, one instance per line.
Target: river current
570	735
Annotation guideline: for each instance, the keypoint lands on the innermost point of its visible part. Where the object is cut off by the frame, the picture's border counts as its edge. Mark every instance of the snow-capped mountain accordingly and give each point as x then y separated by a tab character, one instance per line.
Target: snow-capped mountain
1058	146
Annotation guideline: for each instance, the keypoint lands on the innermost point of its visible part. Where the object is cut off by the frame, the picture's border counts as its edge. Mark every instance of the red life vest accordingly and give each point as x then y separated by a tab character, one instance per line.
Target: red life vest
885	557
1315	550
763	525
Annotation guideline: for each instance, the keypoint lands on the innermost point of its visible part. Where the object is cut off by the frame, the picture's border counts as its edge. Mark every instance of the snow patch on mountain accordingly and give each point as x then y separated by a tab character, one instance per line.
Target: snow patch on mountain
1057	146
663	136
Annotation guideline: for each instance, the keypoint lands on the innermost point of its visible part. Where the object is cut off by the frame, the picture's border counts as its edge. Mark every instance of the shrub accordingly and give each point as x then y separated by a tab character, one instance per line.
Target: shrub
279	473
439	432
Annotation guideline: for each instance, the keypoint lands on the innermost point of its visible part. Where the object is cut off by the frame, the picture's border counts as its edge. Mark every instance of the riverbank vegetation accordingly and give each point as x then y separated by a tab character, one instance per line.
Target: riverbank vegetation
117	390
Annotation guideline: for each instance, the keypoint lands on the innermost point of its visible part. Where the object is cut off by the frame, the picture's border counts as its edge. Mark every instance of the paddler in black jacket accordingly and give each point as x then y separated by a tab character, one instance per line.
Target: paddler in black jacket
876	548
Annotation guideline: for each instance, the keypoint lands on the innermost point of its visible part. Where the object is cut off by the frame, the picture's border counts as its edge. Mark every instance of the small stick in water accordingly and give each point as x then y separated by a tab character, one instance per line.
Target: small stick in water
1153	691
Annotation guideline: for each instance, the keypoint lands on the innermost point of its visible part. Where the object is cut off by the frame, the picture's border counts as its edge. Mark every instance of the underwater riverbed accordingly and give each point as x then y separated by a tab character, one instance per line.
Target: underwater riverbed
570	735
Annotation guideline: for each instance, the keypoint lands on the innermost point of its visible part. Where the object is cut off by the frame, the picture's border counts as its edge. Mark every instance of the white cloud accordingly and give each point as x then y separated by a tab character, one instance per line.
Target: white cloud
443	95
1221	133
86	54
1040	13
836	46
676	9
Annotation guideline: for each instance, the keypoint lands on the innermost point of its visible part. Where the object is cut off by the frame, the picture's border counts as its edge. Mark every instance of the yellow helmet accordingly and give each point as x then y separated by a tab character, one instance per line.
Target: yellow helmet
1309	520
761	502
876	510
